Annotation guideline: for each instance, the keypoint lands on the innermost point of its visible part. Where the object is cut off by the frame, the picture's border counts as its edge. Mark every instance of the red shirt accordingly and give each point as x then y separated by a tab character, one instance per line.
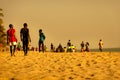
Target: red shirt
11	35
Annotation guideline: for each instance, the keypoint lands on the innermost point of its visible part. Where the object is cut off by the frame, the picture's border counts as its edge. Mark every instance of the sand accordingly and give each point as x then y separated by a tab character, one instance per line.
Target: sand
60	66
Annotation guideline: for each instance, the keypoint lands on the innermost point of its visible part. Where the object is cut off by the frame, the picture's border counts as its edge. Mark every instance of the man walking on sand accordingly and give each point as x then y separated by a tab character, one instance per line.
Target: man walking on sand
11	39
41	41
25	38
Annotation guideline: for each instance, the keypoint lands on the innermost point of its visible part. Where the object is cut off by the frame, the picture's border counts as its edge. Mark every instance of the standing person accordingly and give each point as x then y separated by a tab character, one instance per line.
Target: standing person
69	46
69	43
11	39
100	45
25	38
82	46
41	40
59	48
87	48
52	47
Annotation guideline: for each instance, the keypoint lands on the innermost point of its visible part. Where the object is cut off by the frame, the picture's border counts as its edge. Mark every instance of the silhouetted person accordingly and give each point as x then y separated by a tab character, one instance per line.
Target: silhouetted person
11	39
25	38
52	47
41	41
69	46
82	46
87	47
69	43
59	48
100	45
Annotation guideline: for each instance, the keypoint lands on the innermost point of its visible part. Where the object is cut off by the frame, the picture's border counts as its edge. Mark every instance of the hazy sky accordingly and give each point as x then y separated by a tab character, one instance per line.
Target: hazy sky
61	20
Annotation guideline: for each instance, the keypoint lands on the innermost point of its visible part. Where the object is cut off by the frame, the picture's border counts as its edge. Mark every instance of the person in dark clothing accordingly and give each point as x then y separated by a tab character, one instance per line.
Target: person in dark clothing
25	38
41	40
69	43
82	46
87	47
69	46
52	47
59	48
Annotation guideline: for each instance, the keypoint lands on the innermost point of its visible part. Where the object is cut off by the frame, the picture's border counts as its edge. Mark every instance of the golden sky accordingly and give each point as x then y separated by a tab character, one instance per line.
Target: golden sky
61	20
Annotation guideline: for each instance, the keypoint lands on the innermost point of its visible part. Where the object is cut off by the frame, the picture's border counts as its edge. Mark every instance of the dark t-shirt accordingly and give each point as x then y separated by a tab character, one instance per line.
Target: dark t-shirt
25	34
82	45
69	44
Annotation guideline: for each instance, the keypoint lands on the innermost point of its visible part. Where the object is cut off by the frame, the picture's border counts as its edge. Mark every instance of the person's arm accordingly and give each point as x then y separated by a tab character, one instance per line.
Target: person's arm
15	36
44	36
29	35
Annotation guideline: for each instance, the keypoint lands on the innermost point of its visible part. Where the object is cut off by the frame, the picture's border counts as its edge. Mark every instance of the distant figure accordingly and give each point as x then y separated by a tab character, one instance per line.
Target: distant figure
52	47
11	39
18	46
73	48
69	46
82	46
45	48
41	41
65	49
25	38
59	48
69	43
36	49
100	45
87	48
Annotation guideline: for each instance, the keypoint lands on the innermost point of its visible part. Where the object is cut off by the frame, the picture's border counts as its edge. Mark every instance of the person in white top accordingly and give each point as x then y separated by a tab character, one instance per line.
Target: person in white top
100	45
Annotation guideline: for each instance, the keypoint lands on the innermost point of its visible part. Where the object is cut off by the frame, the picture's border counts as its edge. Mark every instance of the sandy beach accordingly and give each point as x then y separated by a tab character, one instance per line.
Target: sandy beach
60	66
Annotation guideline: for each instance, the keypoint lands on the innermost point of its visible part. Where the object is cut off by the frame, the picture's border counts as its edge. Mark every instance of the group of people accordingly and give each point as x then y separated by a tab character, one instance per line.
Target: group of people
25	38
71	48
86	47
60	48
87	44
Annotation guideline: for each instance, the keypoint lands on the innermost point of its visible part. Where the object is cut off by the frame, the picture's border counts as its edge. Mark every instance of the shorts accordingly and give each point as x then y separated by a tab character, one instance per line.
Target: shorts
12	43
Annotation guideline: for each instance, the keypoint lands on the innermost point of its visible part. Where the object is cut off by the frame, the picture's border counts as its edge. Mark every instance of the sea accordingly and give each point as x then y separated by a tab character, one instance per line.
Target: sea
106	50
